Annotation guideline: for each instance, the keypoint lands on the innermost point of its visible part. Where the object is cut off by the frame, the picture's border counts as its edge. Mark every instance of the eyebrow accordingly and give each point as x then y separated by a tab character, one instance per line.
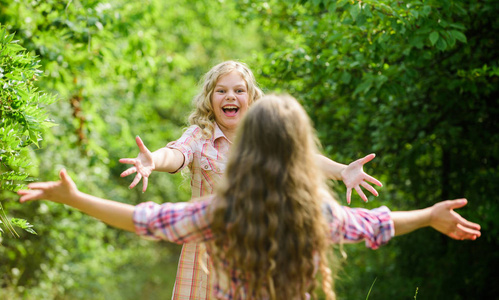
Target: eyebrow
237	86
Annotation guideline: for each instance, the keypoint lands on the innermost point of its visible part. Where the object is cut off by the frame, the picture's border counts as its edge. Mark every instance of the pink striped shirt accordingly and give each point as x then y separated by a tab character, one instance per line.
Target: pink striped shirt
190	223
206	160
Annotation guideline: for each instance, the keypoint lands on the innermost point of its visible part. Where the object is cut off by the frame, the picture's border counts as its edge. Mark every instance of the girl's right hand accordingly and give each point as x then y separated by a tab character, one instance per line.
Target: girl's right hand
143	165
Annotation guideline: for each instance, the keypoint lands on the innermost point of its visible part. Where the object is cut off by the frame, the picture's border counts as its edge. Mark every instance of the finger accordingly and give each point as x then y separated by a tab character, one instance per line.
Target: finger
369	188
130	161
24	192
145	181
63	174
368	158
31	195
457	203
141	145
128	171
467	232
135	181
454	235
41	185
373	180
465	223
349	195
361	193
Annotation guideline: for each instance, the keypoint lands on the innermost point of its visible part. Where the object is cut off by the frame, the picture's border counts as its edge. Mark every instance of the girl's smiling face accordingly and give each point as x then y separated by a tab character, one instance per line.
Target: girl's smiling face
230	101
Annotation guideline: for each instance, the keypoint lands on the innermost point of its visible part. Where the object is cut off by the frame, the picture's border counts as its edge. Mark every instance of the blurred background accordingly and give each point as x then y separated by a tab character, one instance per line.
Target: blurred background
415	82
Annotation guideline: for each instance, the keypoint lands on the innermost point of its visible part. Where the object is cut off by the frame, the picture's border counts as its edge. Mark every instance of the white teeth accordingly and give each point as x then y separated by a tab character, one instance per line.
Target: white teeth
230	107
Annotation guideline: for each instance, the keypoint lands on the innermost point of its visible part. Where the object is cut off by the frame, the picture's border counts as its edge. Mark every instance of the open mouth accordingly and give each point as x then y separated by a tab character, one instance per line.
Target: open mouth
230	110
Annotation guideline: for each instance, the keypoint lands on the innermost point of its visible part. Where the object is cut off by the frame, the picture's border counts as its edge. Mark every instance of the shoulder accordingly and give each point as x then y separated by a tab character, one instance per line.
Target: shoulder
192	135
193	131
199	133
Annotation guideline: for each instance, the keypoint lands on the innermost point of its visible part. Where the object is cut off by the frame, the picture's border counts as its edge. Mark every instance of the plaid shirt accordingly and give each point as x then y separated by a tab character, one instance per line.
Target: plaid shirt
190	223
206	159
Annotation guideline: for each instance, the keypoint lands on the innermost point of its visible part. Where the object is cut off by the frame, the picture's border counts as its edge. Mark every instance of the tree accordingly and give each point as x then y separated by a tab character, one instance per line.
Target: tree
417	83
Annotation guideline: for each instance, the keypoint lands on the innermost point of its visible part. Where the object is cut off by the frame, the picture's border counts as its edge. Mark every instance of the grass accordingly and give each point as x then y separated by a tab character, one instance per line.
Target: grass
370	289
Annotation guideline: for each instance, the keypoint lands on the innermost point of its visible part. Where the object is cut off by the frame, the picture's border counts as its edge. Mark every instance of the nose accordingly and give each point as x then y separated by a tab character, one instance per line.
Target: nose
230	95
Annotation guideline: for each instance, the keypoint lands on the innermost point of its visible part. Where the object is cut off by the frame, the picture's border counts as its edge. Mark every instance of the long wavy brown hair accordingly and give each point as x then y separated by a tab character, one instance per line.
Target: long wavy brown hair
268	217
203	115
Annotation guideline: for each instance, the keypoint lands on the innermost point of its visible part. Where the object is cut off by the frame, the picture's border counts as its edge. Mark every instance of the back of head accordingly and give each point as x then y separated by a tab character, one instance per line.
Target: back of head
270	218
276	130
203	115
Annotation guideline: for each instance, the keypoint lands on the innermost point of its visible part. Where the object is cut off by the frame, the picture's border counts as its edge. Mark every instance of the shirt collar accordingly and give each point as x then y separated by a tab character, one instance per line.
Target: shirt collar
219	134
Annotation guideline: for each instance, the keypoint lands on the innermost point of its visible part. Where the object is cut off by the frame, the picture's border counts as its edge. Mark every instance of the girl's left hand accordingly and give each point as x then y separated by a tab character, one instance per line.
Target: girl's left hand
354	176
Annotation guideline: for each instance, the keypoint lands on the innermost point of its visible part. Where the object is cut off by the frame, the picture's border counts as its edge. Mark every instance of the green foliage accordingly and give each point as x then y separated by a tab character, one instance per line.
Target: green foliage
23	224
120	69
23	118
416	83
22	113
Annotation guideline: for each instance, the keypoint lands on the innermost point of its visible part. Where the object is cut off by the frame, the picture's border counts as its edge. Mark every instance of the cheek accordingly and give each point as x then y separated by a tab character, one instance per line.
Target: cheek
247	103
213	100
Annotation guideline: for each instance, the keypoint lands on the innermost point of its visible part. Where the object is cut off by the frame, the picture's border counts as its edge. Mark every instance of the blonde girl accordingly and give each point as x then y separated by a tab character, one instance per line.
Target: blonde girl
269	225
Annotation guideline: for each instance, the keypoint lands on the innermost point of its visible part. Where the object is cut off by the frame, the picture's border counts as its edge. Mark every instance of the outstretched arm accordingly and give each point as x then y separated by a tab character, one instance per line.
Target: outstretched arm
440	217
116	214
353	175
163	160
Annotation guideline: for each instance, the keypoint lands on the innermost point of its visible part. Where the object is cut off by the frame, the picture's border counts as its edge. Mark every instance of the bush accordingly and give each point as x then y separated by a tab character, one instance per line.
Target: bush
22	121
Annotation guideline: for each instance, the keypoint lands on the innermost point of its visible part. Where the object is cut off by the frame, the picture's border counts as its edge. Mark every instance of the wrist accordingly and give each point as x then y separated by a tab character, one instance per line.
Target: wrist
71	198
428	217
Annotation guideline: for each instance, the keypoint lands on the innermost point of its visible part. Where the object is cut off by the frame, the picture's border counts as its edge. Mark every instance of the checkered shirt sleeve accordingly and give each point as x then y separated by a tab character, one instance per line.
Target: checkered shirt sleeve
374	226
187	144
180	223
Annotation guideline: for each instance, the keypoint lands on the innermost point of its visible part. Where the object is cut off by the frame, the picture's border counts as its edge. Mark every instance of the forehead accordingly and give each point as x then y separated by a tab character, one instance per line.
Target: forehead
232	78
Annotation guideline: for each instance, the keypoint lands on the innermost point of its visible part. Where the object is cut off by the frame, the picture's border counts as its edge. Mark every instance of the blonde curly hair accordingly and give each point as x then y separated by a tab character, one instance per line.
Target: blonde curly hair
268	218
203	115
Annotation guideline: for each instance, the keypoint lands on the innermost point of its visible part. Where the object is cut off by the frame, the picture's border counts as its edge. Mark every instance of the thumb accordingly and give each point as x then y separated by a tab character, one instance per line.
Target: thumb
140	144
458	203
65	178
368	158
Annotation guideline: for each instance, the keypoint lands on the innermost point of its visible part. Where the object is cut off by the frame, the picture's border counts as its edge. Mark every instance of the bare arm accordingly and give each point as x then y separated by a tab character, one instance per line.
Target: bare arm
331	168
163	160
440	217
167	160
116	214
352	175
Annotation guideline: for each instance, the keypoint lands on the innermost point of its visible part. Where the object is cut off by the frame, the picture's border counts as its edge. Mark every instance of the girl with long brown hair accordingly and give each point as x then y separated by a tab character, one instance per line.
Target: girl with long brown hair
269	225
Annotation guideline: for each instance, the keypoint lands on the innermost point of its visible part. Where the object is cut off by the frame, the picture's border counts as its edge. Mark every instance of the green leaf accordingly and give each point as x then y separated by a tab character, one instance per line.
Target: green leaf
426	10
23	224
441	45
316	2
458	35
354	10
15	48
434	37
346	77
451	40
364	87
33	137
417	41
